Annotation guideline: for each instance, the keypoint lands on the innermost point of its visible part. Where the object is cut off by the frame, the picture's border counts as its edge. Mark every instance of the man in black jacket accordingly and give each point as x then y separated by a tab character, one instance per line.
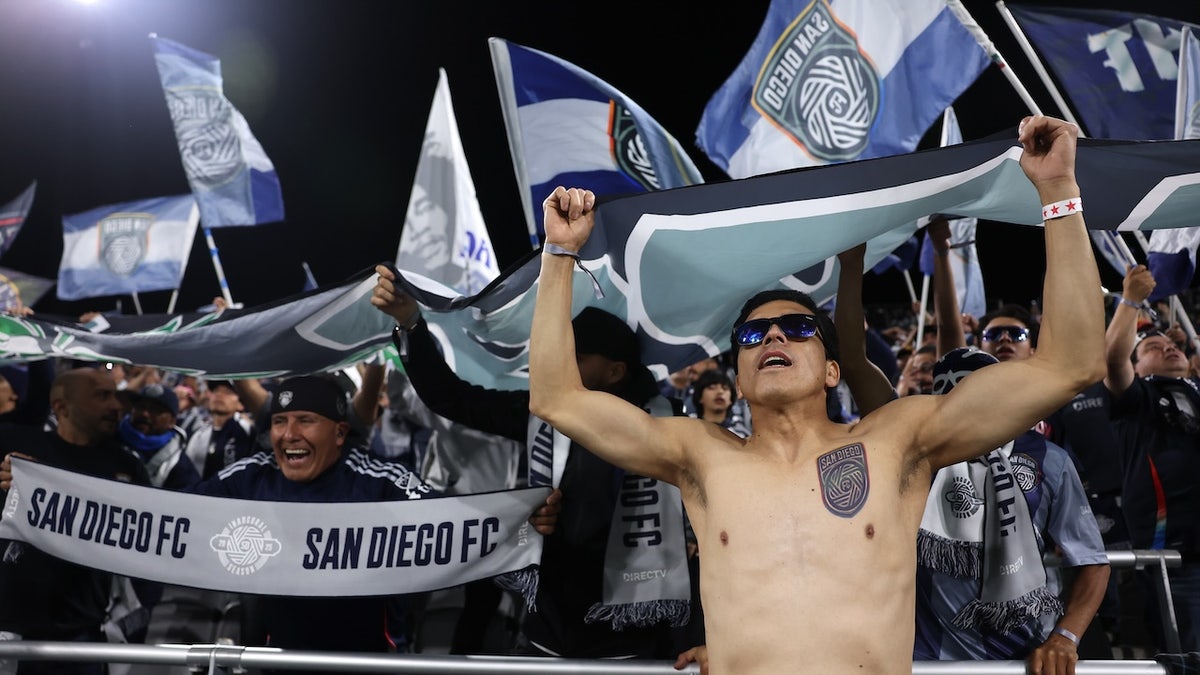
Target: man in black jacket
43	597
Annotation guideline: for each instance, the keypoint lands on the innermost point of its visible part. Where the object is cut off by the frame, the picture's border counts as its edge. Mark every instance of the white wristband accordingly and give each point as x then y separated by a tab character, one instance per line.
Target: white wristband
1062	209
1059	630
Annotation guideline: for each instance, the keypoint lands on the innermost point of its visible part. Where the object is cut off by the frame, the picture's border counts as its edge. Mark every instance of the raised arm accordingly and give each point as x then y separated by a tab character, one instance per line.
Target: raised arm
868	385
1122	330
999	402
945	298
610	427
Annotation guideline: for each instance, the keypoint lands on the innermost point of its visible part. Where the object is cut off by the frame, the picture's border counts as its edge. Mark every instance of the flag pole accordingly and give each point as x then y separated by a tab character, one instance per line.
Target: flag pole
1027	47
921	315
985	43
193	222
216	260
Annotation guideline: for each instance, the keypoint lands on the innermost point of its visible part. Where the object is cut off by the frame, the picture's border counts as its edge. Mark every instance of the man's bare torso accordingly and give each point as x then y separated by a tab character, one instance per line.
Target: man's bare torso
808	554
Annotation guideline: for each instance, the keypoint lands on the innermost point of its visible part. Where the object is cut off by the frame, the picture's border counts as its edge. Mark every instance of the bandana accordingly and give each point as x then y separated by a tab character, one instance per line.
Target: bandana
645	579
977	525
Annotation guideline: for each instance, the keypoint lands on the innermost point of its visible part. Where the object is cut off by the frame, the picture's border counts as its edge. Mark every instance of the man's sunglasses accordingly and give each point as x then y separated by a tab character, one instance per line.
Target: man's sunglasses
794	326
1014	333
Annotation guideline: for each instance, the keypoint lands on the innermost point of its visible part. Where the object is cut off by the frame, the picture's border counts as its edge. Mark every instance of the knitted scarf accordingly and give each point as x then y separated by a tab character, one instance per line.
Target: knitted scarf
645	571
977	525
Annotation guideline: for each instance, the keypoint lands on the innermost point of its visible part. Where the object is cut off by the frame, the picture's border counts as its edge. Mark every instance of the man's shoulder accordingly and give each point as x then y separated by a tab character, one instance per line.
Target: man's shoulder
365	468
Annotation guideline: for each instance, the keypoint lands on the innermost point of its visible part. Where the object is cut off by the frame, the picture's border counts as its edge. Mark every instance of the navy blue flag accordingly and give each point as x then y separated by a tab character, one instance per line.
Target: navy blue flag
1118	69
1171	255
651	253
901	258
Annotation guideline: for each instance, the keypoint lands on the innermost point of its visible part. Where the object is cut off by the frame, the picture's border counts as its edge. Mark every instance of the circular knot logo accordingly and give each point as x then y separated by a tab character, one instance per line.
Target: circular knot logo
244	545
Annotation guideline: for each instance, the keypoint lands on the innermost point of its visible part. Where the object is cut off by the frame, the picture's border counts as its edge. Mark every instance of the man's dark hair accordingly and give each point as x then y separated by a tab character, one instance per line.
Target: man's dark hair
828	333
1142	335
708	378
1017	312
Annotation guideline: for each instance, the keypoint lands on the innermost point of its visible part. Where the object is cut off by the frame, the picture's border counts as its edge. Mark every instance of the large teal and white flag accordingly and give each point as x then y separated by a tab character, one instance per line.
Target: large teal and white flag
444	236
837	80
232	178
652	254
127	248
964	259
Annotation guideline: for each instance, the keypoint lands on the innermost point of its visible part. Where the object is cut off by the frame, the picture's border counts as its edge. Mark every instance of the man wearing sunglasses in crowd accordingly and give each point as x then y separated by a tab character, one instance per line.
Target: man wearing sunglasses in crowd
1009	332
1156	419
808	527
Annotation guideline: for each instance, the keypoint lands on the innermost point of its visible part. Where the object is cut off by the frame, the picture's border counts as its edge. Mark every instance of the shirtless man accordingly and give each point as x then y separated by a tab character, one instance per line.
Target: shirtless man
808	527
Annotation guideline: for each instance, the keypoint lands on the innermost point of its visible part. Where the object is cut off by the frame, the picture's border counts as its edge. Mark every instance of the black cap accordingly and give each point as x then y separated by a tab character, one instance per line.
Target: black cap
310	393
164	396
212	384
957	364
598	332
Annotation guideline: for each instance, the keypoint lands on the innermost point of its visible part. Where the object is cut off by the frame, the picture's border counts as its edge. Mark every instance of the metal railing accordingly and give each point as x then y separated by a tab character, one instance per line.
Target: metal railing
1160	561
235	659
229	658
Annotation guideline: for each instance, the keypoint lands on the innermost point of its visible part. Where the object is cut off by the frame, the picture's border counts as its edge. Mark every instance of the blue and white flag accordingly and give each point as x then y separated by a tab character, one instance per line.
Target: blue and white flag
230	175
127	248
1171	254
964	259
648	251
568	127
12	216
444	236
1118	69
832	81
1112	249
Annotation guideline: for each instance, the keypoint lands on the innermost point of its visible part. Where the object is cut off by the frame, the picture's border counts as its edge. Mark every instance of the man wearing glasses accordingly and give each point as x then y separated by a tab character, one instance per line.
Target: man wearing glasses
1008	333
808	527
1156	419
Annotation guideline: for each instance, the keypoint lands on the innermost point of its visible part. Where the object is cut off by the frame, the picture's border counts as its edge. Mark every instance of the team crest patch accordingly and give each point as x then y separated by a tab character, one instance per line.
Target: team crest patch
124	239
963	500
1025	470
817	86
208	141
845	481
629	149
245	545
285	398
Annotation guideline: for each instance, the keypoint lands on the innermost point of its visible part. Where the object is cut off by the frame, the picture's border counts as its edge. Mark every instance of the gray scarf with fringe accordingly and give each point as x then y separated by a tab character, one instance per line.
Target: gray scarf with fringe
977	525
646	577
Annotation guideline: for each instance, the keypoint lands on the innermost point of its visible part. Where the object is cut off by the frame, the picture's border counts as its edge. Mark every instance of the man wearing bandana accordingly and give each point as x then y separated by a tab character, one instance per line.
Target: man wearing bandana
1156	418
149	431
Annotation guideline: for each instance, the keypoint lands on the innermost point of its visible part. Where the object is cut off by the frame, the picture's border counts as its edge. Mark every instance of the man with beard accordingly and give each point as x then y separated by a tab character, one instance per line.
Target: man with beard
45	598
149	431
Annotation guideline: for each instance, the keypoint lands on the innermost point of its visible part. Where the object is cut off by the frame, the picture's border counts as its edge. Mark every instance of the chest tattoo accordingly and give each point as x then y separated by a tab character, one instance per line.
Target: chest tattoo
845	481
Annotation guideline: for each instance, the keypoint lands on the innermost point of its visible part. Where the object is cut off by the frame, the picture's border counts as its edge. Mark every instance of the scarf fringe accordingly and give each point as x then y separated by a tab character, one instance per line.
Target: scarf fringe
523	582
677	612
961	559
13	552
1010	614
